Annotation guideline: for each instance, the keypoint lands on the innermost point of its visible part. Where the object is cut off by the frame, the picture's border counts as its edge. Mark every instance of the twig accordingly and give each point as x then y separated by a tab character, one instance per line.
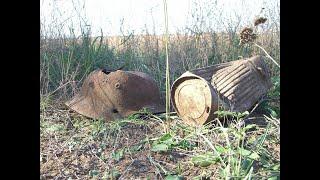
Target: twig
93	153
267	54
157	165
172	165
213	148
59	88
126	169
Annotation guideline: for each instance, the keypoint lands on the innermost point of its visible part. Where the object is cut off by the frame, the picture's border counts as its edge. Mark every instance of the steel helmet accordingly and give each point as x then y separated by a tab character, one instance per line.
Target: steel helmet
117	94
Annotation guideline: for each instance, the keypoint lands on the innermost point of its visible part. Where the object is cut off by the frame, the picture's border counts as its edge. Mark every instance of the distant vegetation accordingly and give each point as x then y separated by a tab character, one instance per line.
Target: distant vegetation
66	61
69	59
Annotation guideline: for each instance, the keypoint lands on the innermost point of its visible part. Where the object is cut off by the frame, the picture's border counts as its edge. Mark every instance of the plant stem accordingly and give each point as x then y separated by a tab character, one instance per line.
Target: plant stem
213	148
167	62
275	62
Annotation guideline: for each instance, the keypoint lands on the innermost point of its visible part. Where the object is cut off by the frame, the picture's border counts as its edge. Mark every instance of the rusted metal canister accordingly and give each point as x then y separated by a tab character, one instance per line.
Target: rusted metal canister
243	83
235	85
193	98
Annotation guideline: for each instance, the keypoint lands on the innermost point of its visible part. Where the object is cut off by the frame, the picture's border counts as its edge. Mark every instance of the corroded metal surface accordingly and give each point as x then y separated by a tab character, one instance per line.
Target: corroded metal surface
241	84
235	85
193	99
116	95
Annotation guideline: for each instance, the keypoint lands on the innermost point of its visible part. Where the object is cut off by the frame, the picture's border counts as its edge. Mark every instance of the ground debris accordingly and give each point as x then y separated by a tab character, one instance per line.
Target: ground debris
74	147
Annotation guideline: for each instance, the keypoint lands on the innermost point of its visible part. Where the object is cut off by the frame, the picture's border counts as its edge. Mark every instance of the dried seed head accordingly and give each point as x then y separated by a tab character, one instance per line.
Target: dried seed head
260	20
247	36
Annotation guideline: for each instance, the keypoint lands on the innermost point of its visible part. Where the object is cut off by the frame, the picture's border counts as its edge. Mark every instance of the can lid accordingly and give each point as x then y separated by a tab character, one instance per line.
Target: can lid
193	99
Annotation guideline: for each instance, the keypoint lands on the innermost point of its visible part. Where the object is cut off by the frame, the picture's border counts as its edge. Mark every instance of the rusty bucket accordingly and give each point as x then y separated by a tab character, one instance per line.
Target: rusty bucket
235	85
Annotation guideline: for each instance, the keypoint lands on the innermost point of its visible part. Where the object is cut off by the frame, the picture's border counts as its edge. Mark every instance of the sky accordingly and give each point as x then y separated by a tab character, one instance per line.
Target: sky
116	17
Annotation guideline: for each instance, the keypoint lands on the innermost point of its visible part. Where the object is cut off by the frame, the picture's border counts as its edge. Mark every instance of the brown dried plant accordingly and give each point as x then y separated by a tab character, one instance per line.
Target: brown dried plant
259	21
247	36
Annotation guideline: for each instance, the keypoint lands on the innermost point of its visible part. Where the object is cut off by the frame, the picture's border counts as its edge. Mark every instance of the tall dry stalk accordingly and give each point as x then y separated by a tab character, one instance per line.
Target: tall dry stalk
267	54
167	61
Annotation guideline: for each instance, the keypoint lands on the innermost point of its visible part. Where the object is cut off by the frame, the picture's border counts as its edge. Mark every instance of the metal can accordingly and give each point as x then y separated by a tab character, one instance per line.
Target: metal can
236	86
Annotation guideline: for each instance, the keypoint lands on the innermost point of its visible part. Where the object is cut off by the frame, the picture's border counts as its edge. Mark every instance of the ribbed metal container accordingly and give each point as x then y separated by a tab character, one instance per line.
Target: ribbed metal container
236	85
241	84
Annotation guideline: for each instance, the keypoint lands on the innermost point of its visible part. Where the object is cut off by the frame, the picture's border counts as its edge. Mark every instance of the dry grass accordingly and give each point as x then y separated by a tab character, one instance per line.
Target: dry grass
79	148
70	60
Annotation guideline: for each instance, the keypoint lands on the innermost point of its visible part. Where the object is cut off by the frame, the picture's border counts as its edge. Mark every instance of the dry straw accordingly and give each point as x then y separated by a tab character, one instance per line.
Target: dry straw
167	62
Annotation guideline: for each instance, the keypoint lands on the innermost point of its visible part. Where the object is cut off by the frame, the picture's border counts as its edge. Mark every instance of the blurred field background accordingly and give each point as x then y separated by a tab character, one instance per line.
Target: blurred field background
66	56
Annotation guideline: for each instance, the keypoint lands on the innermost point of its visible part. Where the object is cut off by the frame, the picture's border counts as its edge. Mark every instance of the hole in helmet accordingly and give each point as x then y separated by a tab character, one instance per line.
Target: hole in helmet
106	71
115	111
207	109
117	85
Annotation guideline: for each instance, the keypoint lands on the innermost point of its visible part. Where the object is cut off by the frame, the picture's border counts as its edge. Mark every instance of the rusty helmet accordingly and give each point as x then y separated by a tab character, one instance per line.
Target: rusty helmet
116	94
